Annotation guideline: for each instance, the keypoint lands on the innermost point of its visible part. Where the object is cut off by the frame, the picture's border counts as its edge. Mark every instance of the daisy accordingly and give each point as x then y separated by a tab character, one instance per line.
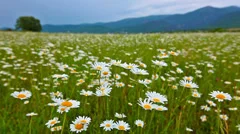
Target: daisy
156	97
160	108
188	84
205	107
155	76
80	81
196	94
107	125
233	108
78	126
121	125
188	78
129	66
31	114
105	73
203	118
179	70
84	119
99	66
159	63
57	128
67	103
146	104
117	76
62	109
145	82
220	96
238	126
86	93
52	122
211	103
189	129
56	94
22	95
224	117
120	84
139	71
139	123
120	115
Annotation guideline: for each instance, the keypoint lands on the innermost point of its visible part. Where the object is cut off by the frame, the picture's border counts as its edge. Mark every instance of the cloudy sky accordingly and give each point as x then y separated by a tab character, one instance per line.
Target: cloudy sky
90	11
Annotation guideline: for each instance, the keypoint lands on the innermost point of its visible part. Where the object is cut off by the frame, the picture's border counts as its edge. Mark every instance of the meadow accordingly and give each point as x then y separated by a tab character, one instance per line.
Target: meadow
174	83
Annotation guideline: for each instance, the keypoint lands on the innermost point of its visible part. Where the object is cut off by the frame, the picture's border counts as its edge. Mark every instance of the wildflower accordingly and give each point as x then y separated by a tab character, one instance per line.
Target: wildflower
22	95
159	63
107	125
139	71
188	78
203	118
146	104
80	124
129	66
56	94
52	122
80	81
145	82
57	128
121	125
105	73
233	108
120	115
220	96
155	76
156	97
160	108
139	123
86	93
196	94
67	103
211	103
189	129
188	84
179	70
31	114
224	117
120	84
205	107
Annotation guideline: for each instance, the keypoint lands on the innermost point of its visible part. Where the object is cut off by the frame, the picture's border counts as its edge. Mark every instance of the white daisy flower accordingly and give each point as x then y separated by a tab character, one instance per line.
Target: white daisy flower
121	125
220	96
156	97
22	95
52	122
188	84
139	123
107	125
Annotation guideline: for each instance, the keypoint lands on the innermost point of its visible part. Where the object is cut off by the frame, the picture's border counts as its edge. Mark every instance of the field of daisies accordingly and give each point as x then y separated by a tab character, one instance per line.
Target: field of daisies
137	84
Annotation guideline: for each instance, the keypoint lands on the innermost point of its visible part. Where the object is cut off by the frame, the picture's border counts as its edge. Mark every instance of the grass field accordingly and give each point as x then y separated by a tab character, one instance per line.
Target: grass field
74	82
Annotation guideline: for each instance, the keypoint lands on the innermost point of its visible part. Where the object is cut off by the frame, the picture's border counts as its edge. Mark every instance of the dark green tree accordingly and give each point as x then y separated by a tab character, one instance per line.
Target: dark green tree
28	23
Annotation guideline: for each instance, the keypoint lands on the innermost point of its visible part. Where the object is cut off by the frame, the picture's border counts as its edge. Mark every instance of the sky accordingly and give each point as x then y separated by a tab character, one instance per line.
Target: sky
91	11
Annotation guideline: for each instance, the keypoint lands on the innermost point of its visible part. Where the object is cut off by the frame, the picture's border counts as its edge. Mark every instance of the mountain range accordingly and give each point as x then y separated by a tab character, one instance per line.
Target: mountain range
200	19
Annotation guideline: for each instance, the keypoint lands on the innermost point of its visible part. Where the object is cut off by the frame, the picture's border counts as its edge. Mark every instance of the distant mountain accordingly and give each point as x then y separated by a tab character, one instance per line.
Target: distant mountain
203	18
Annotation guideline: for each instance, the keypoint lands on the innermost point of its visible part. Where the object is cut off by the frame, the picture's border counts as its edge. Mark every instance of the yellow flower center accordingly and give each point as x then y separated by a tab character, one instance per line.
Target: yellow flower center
129	67
139	124
21	96
67	104
105	73
99	68
147	106
53	122
108	125
188	85
220	96
121	127
78	126
159	109
156	100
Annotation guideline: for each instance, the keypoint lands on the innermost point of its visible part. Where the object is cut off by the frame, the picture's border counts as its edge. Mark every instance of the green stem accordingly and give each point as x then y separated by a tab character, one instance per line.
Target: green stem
64	120
30	126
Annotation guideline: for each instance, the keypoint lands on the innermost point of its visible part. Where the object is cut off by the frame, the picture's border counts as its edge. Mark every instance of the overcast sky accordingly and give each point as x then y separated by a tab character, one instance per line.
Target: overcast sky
90	11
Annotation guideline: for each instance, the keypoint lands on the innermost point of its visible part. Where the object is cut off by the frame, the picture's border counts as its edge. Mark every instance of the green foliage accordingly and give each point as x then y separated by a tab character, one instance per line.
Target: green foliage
28	23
